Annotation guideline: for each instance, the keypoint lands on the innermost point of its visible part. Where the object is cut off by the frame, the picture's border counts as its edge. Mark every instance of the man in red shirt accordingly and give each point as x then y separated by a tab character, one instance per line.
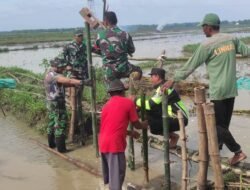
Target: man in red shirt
115	117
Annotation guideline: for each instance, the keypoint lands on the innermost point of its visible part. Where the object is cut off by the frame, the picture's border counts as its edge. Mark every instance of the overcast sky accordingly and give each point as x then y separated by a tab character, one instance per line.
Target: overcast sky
43	14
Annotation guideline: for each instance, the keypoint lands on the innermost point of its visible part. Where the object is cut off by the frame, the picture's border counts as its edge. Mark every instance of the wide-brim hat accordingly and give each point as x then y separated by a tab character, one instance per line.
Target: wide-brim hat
116	85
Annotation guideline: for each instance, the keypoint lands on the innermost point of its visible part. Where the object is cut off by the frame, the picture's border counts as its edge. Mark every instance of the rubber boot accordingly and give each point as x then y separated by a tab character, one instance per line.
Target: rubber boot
51	140
60	144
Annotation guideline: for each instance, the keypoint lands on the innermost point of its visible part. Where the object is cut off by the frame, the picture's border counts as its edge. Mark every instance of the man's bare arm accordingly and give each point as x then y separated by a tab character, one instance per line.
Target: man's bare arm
68	81
140	125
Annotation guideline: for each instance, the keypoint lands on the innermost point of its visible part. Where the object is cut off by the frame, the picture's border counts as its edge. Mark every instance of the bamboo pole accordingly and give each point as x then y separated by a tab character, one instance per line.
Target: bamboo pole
145	139
93	89
166	140
131	150
73	113
200	98
213	144
183	151
104	9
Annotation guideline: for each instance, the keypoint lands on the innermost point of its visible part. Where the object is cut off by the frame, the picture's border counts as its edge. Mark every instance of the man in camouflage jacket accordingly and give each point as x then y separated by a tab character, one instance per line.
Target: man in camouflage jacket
114	45
77	67
54	83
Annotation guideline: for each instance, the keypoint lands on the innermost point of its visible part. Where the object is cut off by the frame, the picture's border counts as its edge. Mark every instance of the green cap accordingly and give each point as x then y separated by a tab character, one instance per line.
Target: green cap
210	19
78	32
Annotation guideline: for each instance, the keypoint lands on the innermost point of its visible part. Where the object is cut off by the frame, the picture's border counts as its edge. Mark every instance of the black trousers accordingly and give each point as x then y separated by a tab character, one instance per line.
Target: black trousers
223	114
156	126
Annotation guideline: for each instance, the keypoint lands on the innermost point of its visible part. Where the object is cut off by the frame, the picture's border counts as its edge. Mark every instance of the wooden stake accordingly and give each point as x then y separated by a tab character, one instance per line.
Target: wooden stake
200	98
183	151
213	144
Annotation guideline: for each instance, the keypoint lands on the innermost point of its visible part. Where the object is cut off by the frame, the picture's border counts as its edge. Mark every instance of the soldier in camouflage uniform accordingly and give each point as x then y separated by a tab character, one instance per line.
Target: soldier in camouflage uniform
54	82
75	55
114	45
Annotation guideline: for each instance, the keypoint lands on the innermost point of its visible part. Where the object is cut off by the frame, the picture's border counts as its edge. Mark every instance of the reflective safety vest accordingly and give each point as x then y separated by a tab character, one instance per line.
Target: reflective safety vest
154	104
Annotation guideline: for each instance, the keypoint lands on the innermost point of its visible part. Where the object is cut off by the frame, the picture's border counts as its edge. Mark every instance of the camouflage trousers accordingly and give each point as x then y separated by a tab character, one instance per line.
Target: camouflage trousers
57	118
121	70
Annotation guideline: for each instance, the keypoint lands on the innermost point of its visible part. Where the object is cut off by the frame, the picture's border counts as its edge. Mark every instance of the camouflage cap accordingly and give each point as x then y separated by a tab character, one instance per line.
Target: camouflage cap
58	61
78	32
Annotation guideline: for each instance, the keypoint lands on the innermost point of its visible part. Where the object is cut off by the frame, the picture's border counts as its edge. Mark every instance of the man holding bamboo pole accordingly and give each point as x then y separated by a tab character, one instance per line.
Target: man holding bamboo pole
77	68
218	52
54	83
114	45
153	107
115	117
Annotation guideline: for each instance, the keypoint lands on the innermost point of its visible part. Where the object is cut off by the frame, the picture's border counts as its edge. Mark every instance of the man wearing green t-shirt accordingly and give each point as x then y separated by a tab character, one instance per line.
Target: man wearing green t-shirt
218	52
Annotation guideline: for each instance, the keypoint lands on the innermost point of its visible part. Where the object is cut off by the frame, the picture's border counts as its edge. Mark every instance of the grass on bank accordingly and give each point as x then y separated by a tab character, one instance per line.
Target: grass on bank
190	48
34	37
27	102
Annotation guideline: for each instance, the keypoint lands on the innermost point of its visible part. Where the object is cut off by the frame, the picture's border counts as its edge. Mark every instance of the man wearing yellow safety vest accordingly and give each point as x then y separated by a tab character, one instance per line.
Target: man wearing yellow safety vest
153	106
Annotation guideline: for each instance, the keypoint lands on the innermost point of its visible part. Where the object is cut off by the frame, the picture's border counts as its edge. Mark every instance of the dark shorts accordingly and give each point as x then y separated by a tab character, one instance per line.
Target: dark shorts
156	126
113	169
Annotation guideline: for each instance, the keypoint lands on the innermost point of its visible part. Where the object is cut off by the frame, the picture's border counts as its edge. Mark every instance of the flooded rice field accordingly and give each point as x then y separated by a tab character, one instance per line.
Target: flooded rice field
26	166
146	46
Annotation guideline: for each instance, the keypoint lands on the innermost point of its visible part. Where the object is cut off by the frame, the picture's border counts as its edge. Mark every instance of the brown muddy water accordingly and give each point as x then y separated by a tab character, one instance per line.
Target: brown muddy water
26	166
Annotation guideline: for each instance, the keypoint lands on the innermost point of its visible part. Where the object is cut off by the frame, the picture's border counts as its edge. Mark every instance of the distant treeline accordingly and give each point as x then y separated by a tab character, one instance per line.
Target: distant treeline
182	26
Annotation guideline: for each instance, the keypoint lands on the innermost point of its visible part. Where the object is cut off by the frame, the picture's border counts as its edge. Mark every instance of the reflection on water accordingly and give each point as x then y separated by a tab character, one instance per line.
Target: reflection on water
26	166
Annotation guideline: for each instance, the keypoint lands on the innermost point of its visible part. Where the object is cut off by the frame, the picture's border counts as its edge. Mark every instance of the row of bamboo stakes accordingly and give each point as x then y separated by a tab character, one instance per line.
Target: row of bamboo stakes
208	144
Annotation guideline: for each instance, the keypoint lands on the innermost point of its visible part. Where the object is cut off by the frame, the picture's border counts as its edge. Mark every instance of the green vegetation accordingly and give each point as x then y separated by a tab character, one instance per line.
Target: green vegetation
27	101
190	48
36	36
